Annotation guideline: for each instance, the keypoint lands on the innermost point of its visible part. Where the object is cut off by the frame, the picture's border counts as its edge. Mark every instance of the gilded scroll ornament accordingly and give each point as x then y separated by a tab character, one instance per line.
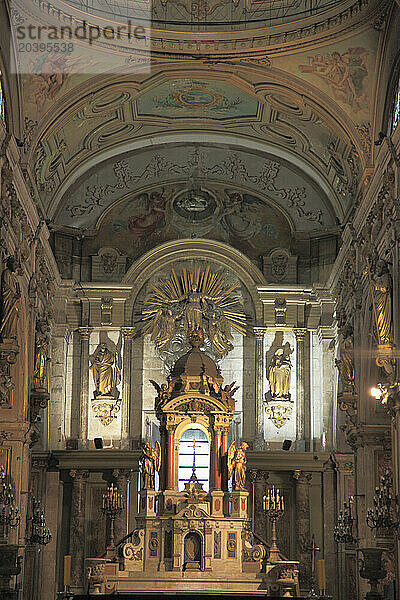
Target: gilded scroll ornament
106	409
279	413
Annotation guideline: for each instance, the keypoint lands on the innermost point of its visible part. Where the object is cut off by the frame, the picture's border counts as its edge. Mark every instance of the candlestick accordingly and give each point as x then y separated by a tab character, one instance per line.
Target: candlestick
321	575
112	505
67	570
274	508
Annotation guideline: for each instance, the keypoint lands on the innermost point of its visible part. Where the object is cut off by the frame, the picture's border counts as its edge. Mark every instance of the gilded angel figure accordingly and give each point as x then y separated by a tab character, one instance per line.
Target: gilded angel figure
41	355
151	462
219	333
237	465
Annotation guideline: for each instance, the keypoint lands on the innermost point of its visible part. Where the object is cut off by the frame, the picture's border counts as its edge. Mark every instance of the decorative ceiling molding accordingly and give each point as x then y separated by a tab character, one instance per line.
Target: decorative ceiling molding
291	186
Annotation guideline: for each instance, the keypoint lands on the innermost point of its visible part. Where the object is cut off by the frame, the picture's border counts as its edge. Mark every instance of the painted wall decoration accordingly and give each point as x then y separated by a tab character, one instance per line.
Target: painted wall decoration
186	98
345	74
146	219
194	167
50	72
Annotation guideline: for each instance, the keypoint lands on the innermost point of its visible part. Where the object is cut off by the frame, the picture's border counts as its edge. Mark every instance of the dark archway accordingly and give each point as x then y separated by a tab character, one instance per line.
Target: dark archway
192	552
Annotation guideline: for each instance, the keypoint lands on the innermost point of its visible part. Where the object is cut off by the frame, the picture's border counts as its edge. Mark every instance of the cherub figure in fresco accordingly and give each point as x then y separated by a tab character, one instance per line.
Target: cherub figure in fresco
146	223
343	73
50	72
241	217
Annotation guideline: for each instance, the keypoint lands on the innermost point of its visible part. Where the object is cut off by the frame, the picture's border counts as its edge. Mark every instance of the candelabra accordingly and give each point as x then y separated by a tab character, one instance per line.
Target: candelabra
380	516
112	505
343	531
39	533
9	513
274	507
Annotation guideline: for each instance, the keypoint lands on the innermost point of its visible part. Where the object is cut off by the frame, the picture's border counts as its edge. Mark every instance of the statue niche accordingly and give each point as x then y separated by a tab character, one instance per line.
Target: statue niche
278	400
345	362
192	552
10	297
106	373
381	285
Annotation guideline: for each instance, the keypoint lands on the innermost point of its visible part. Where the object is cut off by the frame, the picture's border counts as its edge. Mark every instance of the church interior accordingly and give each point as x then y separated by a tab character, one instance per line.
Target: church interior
200	299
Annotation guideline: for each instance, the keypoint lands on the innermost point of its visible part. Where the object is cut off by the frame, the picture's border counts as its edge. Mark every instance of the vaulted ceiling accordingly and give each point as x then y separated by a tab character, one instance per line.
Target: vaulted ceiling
286	117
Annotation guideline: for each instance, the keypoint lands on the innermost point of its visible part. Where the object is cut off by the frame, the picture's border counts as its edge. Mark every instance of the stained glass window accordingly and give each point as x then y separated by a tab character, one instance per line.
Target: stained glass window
193	452
396	109
2	99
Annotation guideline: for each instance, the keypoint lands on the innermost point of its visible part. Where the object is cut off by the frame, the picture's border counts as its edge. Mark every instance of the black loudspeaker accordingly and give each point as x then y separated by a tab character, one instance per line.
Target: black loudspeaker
286	444
98	443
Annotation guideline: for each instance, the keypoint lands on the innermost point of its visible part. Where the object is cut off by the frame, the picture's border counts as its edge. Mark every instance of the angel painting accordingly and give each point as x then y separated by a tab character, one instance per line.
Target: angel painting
343	73
150	462
146	223
237	466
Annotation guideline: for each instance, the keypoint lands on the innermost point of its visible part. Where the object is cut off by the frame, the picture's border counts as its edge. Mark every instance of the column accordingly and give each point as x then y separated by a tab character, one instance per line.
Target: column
170	460
259	333
302	413
164	457
128	333
58	381
122	479
77	529
303	526
217	458
259	480
84	391
224	457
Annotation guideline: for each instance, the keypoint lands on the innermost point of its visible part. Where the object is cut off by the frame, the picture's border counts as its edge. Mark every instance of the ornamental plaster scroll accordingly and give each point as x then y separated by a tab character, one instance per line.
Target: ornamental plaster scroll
293	193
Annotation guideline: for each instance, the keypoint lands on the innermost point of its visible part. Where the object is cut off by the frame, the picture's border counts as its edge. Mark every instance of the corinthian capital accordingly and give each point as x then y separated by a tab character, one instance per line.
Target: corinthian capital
259	332
302	477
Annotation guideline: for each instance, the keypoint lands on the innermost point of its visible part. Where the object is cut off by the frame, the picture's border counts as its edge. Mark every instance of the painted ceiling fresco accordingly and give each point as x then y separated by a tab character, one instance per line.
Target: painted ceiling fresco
345	72
296	194
186	98
225	214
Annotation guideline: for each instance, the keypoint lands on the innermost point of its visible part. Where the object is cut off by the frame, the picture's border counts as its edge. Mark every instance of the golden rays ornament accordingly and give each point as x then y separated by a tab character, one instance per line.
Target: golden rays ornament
200	299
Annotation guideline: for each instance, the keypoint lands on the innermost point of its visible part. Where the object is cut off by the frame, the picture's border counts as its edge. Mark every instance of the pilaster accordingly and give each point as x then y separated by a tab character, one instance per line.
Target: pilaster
122	480
84	378
303	412
259	333
128	334
77	529
303	526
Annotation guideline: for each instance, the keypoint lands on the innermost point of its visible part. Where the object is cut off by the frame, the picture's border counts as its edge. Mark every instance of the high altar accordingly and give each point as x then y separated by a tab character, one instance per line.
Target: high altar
192	539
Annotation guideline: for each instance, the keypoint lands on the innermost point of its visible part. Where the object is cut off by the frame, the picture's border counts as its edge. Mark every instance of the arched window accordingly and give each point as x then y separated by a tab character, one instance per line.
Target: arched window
2	99
194	447
396	107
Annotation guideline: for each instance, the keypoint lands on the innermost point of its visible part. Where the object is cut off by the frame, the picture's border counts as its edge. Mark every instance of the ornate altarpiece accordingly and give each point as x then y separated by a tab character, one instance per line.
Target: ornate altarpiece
193	540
